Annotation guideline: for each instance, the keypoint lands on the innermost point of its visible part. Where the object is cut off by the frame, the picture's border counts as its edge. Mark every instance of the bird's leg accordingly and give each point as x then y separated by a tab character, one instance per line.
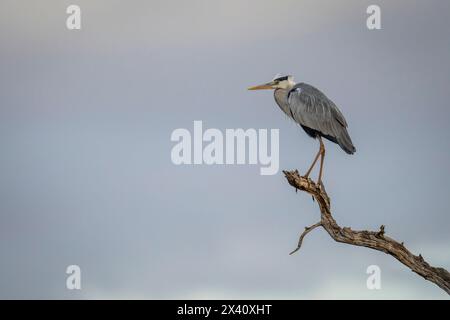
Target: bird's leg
314	162
322	153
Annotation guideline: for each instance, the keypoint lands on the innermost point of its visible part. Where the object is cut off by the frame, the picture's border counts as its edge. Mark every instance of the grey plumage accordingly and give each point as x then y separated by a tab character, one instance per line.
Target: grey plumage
316	114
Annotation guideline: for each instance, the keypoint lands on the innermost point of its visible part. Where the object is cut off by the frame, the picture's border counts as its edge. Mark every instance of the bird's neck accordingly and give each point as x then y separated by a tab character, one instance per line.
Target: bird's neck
280	96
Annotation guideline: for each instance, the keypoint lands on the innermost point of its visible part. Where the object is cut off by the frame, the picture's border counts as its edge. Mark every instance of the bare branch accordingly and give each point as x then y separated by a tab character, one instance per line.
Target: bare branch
304	233
376	240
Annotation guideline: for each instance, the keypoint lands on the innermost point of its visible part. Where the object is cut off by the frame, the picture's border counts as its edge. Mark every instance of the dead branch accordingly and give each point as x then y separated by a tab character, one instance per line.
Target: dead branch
376	240
304	233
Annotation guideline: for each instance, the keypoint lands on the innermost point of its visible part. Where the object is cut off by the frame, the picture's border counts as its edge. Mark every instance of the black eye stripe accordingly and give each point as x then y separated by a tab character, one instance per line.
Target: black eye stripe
281	78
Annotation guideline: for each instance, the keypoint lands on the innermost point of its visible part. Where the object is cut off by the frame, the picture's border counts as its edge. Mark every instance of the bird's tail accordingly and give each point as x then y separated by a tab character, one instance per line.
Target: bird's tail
345	142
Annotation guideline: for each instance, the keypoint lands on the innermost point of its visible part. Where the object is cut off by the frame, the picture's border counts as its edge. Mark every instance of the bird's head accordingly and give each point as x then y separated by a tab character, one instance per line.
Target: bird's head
279	82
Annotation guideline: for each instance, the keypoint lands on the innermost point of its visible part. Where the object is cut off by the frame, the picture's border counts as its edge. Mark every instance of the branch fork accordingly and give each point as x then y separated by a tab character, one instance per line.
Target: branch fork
376	240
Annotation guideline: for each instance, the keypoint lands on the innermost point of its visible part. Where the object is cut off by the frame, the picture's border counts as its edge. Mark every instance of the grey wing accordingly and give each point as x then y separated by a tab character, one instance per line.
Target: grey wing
310	108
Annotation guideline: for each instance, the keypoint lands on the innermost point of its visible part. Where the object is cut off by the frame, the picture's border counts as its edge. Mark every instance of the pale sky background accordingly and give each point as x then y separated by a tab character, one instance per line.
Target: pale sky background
86	176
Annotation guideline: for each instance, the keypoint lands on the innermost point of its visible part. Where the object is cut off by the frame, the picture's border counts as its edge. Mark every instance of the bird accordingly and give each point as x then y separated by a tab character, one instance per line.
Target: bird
314	112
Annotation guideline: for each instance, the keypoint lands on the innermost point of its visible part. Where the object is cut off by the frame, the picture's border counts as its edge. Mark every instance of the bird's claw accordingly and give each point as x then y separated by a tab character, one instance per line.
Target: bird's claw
307	178
319	185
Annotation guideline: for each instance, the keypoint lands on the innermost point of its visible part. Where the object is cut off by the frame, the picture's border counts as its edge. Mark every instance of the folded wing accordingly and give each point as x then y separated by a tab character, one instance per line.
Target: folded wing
317	114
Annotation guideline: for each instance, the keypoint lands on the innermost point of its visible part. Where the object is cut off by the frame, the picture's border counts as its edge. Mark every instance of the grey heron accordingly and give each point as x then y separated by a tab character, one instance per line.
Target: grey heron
314	112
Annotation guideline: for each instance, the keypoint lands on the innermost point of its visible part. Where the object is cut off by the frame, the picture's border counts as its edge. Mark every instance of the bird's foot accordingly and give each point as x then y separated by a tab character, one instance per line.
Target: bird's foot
306	176
319	185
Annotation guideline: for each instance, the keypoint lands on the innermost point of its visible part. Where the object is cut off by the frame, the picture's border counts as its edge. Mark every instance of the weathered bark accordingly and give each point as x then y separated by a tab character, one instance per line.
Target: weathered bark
371	239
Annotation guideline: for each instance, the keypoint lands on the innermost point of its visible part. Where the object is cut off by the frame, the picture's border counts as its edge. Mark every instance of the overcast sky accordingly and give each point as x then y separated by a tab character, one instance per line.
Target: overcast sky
86	176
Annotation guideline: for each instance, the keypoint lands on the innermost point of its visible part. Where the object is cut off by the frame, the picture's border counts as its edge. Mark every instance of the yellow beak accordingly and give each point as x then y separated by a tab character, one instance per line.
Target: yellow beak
265	86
